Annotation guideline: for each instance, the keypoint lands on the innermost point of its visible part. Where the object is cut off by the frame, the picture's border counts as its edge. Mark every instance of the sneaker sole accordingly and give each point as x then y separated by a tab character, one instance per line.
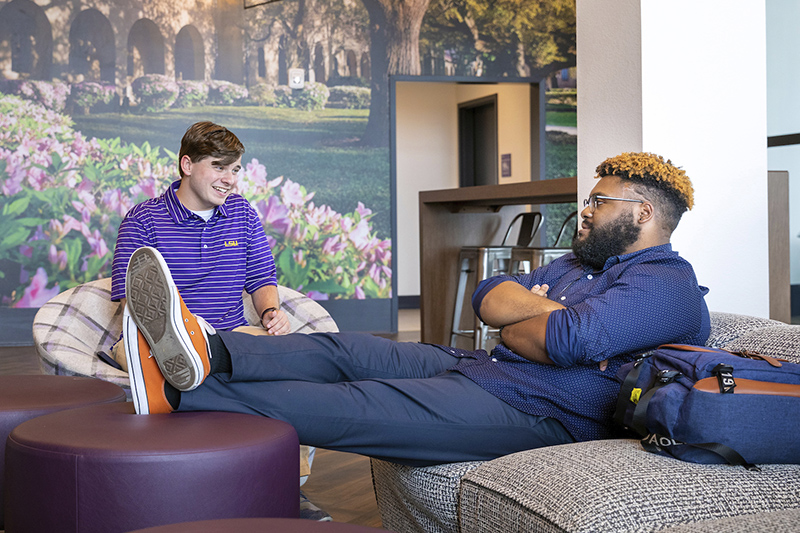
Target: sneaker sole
138	390
154	305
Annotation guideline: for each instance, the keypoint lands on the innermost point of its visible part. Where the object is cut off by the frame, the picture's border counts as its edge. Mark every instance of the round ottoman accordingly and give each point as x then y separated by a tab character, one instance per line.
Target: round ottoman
105	469
26	397
259	525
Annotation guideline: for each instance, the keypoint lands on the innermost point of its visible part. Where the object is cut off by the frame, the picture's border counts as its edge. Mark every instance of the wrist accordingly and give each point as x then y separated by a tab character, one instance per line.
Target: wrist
267	310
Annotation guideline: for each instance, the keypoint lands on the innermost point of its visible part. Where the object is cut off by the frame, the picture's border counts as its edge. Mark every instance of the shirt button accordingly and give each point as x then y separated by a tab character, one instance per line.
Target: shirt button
205	246
494	359
563	298
589	276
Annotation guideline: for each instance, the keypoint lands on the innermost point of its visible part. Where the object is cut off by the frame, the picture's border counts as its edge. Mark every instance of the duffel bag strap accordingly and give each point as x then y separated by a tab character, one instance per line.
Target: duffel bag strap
655	443
625	392
639	422
748	354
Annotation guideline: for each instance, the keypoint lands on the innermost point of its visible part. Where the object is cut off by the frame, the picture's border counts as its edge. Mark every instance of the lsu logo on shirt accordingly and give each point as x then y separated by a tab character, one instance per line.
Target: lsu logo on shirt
228	244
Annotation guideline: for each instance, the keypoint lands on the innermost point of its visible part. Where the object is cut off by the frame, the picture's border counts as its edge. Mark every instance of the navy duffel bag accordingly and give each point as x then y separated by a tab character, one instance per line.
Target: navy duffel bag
706	405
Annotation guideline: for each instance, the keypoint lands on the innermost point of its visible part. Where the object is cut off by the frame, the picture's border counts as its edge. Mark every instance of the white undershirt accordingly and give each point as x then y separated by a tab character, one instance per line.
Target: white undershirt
205	215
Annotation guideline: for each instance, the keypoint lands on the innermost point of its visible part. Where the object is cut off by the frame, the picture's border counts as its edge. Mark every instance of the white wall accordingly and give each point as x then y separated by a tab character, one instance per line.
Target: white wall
427	159
700	67
609	63
783	106
427	152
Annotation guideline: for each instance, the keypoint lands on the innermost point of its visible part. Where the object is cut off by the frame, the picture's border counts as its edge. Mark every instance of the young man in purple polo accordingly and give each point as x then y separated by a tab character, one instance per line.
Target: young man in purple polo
215	246
211	239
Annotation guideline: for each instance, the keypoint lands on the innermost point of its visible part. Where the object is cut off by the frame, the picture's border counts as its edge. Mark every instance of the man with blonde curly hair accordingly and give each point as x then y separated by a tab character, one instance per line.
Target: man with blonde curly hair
666	187
629	216
566	330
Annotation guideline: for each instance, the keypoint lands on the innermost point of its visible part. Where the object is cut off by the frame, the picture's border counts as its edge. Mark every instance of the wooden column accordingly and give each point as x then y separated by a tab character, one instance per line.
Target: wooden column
780	304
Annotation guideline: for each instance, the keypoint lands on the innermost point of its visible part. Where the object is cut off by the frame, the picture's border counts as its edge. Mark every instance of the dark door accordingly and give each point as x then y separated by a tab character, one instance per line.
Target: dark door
477	142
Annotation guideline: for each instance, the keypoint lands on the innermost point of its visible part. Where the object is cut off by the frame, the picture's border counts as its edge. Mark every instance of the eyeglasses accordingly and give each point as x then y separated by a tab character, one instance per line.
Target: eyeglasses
594	200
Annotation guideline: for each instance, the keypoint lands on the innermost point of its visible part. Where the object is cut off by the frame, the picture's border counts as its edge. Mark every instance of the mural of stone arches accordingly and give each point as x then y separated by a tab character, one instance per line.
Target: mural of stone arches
26	41
145	49
189	54
75	42
83	41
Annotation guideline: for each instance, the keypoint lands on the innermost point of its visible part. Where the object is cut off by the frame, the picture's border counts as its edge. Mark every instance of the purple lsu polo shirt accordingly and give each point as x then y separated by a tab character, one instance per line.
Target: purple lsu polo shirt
211	262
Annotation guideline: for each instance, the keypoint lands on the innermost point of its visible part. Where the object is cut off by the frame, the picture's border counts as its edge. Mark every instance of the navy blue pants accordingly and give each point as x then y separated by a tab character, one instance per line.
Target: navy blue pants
364	394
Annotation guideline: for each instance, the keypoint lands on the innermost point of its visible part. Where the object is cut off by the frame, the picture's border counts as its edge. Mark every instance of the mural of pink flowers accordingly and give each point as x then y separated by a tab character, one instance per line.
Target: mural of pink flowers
62	197
36	293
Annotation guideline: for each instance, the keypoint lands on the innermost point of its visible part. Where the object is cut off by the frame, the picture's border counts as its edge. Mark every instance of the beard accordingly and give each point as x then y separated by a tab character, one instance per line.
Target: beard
606	241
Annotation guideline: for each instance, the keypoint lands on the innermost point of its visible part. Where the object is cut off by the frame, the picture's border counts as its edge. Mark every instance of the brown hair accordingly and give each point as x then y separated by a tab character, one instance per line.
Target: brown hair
206	139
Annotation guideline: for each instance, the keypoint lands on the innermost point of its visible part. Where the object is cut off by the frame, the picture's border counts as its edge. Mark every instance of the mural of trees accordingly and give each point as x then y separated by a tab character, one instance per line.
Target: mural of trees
514	38
503	38
79	78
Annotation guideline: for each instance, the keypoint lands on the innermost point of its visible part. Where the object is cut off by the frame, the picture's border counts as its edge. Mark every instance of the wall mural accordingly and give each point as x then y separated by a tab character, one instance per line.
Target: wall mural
95	96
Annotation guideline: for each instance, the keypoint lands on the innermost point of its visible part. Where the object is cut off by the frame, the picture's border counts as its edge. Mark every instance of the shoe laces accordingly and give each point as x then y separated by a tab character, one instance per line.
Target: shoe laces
207	328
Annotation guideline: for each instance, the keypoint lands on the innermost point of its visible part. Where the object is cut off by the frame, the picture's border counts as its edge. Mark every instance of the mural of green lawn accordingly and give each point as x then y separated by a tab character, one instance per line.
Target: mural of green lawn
562	116
67	184
318	149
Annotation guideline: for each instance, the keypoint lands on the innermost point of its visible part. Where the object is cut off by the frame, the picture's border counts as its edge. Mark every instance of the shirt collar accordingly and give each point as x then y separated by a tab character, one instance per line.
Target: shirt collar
178	211
617	259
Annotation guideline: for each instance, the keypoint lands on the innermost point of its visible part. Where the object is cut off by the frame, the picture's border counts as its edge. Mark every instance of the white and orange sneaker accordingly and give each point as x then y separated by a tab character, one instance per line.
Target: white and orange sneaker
177	339
147	381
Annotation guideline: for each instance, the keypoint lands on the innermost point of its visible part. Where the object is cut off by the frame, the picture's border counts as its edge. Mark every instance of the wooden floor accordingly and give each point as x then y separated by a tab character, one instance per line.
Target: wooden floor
340	483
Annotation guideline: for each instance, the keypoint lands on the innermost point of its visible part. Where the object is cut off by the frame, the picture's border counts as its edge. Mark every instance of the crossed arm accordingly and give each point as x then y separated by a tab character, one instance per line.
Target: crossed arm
522	314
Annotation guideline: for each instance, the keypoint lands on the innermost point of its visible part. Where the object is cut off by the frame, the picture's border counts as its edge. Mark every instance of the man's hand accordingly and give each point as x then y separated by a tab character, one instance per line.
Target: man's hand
276	322
540	290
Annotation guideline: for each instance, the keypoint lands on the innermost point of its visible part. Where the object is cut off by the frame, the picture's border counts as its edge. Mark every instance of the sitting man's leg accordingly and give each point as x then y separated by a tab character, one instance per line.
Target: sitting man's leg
350	392
417	421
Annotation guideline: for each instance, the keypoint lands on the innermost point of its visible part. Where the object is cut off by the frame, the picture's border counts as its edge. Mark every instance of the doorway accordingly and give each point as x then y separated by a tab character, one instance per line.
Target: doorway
425	151
477	142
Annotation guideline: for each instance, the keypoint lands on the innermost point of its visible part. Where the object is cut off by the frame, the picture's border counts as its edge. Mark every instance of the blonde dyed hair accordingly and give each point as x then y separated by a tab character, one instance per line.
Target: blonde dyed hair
652	171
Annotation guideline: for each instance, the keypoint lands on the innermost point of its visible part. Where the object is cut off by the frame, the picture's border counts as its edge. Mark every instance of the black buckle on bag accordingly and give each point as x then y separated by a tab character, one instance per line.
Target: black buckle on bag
725	379
666	377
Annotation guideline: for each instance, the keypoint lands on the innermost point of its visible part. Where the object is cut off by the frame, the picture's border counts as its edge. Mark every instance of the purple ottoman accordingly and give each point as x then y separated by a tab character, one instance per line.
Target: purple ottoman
26	397
105	469
260	525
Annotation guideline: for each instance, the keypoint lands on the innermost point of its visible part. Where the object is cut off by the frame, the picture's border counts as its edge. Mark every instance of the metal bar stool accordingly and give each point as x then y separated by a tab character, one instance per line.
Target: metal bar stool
524	260
475	264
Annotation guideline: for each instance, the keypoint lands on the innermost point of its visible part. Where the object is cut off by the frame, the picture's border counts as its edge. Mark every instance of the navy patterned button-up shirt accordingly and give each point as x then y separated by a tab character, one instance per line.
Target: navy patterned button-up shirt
637	302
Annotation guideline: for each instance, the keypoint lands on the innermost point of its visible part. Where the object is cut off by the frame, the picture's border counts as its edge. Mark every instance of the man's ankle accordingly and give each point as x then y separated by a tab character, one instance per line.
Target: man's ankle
172	395
220	357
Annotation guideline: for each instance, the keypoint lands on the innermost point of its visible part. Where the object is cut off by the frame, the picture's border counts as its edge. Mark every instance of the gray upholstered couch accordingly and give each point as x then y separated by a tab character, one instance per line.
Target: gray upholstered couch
601	486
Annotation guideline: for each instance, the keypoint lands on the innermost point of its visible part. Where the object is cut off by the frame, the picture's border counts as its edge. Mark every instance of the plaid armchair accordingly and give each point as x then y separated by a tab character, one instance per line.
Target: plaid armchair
72	327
